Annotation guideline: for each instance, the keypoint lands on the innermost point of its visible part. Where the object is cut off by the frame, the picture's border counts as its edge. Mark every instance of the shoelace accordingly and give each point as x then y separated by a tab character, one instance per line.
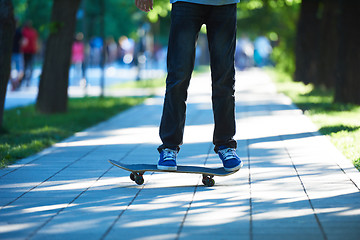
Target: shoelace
227	153
169	154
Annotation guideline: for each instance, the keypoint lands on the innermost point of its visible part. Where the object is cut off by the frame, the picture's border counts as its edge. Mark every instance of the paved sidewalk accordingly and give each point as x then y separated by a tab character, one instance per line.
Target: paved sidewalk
294	183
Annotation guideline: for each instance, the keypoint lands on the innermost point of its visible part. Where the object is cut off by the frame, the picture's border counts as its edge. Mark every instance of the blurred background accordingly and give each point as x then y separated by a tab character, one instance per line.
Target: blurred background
135	43
314	41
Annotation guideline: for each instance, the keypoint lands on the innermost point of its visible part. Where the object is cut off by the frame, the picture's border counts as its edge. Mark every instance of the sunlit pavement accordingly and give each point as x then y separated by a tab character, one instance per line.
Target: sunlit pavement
294	183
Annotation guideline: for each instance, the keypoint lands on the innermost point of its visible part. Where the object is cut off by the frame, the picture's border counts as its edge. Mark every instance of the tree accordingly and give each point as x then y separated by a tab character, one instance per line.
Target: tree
53	87
7	30
307	40
347	81
329	47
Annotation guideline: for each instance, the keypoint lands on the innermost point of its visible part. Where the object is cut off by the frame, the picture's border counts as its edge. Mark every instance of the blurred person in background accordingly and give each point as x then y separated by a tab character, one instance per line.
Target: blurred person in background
77	57
29	49
126	50
17	59
262	51
96	46
111	50
244	55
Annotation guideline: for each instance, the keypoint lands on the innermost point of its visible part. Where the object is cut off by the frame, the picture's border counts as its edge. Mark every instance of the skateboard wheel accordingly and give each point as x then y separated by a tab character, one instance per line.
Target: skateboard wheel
139	180
209	182
132	176
204	181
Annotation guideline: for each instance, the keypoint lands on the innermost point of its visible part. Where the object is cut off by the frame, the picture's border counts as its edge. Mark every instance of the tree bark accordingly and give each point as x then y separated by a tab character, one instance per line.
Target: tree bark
7	30
347	81
54	81
307	39
329	47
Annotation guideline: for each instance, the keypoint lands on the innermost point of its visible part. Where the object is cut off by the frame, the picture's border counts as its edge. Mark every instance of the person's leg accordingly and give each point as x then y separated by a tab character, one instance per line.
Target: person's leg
31	67
27	68
186	21
221	32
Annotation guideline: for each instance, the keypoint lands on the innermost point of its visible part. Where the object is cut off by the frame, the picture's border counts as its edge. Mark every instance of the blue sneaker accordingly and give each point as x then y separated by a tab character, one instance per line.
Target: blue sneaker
230	159
167	160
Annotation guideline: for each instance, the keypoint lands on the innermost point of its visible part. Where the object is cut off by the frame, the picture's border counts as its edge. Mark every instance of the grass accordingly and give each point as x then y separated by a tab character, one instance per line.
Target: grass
157	82
28	132
338	121
146	83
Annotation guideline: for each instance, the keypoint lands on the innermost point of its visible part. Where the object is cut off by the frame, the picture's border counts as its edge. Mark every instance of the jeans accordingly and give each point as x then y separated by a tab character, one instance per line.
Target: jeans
186	21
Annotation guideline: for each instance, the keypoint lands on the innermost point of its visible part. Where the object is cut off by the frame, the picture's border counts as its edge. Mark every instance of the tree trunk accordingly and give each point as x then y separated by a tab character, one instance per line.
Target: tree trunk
7	30
54	81
347	81
307	42
328	49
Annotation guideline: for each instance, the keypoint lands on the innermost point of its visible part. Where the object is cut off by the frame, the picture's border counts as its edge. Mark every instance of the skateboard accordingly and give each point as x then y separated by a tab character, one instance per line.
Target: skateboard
138	170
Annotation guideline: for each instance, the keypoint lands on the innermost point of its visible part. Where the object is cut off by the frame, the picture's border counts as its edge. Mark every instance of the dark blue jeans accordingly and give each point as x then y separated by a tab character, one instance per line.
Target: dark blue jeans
186	21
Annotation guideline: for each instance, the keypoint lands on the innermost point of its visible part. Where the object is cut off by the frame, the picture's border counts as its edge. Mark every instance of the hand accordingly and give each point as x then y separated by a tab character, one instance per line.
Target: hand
144	5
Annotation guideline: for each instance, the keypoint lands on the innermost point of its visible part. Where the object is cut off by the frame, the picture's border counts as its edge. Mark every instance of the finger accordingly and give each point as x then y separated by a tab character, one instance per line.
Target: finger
146	5
139	4
151	4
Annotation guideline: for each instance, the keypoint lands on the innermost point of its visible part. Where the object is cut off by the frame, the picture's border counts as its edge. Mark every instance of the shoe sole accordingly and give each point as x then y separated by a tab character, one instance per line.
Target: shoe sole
234	168
168	168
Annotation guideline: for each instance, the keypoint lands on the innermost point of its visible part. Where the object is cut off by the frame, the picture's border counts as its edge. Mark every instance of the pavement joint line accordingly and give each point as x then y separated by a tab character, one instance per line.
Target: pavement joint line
314	134
11	202
192	199
62	209
85	190
250	193
341	168
304	188
40	155
270	109
207	155
15	169
124	210
187	211
136	195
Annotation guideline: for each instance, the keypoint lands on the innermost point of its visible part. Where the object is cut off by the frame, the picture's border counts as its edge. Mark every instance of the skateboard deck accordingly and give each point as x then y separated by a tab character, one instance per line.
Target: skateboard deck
137	171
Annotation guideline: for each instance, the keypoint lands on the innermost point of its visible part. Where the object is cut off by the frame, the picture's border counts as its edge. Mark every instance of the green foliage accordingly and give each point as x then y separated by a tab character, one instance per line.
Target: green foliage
339	121
275	19
161	9
121	17
38	11
55	27
28	131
